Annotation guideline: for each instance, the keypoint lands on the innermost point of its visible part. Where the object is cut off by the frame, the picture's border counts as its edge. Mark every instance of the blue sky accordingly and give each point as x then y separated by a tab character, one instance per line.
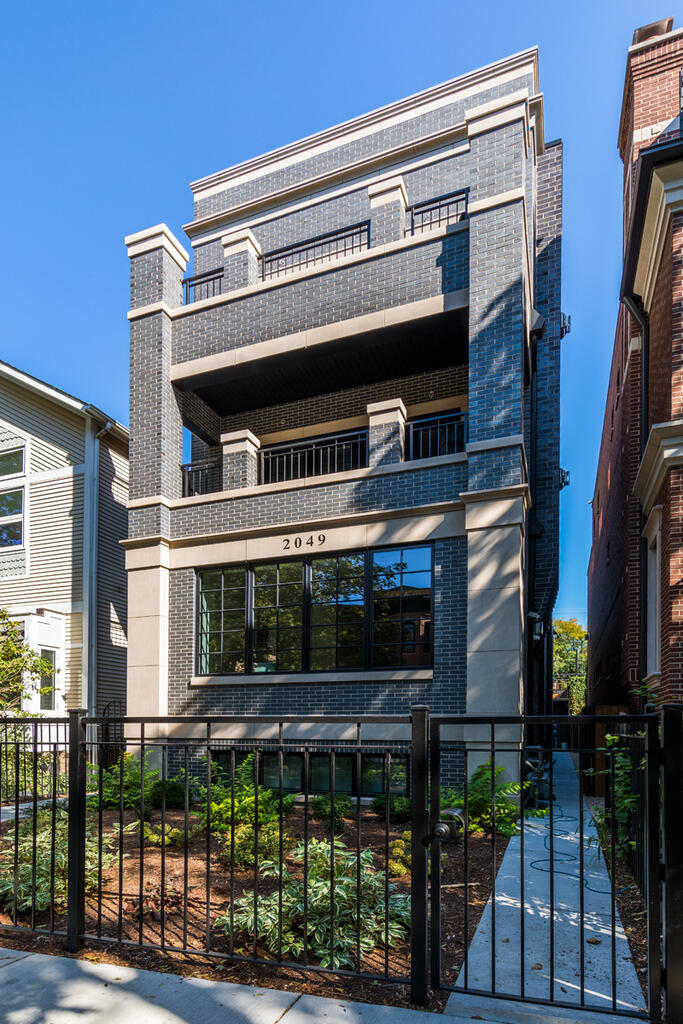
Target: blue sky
110	109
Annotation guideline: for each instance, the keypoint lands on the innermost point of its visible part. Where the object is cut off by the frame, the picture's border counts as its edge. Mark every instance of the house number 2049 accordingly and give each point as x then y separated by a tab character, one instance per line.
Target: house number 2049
311	541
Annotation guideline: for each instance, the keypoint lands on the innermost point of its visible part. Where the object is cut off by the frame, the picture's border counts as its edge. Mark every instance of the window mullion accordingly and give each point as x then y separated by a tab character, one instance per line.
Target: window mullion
306	617
368	617
249	621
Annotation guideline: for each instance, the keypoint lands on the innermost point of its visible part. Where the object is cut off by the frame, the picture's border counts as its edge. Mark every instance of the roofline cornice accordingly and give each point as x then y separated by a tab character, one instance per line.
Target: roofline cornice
338	132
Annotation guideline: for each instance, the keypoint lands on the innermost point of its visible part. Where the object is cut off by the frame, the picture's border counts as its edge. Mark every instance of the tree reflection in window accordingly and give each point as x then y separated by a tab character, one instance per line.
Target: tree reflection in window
401	590
337	612
278	609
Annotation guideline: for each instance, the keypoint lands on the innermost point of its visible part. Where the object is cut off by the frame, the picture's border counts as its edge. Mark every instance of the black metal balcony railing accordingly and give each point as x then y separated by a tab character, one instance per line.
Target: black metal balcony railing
436	435
205	476
203	286
434	213
313	251
332	454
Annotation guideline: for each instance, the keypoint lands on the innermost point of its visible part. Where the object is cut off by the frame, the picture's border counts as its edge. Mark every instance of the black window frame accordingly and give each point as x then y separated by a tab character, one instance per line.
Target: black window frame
222	758
307	560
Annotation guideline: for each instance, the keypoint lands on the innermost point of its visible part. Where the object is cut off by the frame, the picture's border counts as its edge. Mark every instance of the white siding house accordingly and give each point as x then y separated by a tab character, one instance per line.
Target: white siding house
63	494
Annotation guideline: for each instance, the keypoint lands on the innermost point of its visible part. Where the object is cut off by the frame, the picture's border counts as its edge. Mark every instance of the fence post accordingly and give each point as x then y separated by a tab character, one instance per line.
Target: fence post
418	871
672	751
75	917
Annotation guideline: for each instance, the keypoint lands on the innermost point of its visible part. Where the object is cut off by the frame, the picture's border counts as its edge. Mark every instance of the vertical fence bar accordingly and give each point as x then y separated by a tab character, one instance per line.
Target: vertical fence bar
75	921
672	747
652	838
418	870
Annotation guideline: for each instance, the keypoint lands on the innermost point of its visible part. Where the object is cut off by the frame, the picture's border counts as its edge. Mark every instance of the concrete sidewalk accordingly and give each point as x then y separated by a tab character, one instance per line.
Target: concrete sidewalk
535	952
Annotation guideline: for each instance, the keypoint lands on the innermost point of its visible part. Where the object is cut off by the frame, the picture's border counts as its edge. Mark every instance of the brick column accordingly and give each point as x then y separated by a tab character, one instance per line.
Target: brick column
240	459
241	253
388	201
386	432
157	265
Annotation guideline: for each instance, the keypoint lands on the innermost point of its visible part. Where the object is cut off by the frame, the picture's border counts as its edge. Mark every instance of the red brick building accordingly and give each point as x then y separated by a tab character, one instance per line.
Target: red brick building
635	573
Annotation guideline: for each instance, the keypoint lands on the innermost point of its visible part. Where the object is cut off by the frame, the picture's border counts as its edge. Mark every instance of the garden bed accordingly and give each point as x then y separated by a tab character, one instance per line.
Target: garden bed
114	919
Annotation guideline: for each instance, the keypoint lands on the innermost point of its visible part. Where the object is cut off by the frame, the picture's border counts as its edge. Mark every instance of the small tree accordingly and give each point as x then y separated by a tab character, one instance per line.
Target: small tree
570	650
21	668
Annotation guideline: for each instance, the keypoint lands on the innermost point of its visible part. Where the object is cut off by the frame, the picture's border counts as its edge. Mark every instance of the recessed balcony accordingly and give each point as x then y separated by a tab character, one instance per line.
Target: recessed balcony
427	437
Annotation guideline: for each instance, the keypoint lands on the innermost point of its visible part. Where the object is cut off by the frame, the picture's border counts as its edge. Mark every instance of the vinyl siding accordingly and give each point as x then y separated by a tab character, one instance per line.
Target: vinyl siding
57	435
73	660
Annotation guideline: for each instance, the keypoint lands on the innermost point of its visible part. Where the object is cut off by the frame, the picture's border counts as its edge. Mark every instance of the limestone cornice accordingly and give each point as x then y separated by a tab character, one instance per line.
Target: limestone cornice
158	237
411	106
663	451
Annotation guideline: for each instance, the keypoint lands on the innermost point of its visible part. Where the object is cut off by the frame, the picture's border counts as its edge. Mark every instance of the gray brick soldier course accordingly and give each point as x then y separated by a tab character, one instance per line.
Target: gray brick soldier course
417	325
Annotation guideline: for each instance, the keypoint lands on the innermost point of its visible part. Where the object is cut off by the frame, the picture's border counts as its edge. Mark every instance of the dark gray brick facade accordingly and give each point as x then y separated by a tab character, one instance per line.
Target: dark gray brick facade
515	202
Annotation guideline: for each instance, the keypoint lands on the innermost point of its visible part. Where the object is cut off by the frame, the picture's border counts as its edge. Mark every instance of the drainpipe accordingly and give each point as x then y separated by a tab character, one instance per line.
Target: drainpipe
90	568
637	311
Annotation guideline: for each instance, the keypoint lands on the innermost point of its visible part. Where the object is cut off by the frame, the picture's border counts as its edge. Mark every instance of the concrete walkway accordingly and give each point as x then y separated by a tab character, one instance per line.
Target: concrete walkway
509	954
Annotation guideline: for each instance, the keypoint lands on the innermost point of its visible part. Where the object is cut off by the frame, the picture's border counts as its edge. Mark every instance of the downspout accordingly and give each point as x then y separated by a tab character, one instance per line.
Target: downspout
90	567
637	311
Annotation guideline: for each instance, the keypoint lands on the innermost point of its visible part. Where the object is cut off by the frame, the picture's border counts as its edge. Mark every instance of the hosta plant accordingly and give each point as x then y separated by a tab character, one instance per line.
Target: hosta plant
44	834
368	914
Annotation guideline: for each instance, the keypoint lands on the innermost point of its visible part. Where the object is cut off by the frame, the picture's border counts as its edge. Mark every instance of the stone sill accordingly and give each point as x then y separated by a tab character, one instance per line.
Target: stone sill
407	675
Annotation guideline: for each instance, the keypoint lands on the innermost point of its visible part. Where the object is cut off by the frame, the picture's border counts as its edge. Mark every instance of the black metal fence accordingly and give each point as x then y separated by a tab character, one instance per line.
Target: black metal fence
317	457
203	476
435	213
203	286
315	251
306	842
429	436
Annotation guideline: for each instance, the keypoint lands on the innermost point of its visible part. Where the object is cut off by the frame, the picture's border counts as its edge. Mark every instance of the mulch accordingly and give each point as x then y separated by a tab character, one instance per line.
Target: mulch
112	919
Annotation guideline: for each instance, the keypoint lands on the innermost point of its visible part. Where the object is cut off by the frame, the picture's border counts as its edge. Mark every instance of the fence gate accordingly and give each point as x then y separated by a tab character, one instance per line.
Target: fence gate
540	889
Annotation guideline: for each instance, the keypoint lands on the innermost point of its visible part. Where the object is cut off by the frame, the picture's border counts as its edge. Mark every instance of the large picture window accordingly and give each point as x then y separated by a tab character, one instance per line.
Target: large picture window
349	612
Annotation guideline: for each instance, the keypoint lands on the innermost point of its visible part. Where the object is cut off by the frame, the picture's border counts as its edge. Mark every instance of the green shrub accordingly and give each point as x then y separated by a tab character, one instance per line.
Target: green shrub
175	794
400	807
268	845
174	836
44	838
369	914
245	793
111	783
479	808
321	809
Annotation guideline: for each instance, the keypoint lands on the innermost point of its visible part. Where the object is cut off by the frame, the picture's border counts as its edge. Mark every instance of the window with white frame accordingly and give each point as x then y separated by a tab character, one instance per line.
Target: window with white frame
11	498
12	518
48	682
653	537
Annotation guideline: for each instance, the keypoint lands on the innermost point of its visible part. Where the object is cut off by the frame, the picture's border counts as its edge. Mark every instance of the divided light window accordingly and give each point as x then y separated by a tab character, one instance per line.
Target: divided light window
355	611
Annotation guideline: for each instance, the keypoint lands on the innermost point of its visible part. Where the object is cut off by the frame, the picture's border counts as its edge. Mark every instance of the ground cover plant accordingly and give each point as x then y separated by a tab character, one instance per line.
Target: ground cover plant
332	949
44	838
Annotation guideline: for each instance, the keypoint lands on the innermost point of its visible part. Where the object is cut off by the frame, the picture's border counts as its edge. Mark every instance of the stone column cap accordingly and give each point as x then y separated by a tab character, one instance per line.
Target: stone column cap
240	439
158	237
386	408
388	190
240	240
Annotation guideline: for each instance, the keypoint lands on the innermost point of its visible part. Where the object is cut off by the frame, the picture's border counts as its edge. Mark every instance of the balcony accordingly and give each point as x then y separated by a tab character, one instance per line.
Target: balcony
436	213
203	286
426	438
315	251
332	454
429	436
204	476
